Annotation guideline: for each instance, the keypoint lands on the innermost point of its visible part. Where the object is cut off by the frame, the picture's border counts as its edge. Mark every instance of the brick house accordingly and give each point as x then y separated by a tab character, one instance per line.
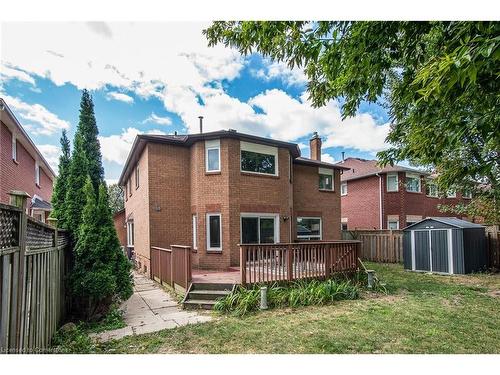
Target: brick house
214	190
392	197
22	166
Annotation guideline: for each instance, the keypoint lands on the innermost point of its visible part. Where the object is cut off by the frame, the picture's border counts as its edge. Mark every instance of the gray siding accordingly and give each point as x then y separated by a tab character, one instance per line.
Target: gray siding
475	253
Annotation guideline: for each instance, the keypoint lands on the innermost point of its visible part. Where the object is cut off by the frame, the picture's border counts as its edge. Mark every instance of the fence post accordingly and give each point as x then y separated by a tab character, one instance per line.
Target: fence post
20	199
243	265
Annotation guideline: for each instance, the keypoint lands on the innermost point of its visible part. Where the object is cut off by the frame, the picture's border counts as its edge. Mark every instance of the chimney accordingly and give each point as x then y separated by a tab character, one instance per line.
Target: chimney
201	124
315	147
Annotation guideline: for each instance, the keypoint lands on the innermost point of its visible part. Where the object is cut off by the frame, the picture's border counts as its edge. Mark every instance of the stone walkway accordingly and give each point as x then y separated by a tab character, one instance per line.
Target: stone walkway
150	309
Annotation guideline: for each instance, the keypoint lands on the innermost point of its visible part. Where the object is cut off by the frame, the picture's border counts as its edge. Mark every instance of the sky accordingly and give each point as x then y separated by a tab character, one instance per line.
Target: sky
157	78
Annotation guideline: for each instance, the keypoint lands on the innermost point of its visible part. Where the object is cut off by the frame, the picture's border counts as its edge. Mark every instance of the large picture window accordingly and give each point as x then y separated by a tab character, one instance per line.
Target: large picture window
214	232
309	228
212	155
257	228
257	158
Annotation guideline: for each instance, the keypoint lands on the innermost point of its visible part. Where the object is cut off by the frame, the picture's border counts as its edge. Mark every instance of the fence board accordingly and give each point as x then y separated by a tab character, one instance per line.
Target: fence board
378	245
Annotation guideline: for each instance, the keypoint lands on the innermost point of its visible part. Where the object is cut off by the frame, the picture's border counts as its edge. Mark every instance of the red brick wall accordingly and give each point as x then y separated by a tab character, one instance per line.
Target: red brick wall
20	175
361	204
121	229
310	201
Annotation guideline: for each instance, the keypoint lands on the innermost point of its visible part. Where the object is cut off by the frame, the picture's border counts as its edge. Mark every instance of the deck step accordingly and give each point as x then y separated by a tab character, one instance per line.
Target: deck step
204	296
199	304
212	286
208	294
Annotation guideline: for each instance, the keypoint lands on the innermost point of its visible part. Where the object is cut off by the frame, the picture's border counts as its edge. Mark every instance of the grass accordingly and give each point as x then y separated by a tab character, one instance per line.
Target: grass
420	314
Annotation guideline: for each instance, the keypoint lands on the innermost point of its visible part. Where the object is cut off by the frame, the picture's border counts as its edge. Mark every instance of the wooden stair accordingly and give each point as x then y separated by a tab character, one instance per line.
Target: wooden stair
204	295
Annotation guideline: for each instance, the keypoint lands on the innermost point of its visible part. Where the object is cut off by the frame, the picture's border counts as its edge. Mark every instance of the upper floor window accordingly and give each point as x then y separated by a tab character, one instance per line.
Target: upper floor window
343	188
431	189
256	158
212	155
413	183
14	148
137	177
309	228
467	194
37	174
392	182
325	179
451	193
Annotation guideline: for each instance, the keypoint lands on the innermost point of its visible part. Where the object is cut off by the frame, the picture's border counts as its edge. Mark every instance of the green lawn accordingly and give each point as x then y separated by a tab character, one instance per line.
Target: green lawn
421	314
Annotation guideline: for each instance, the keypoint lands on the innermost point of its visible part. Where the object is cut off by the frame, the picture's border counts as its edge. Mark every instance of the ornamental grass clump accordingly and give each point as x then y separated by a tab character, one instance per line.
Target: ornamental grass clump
295	294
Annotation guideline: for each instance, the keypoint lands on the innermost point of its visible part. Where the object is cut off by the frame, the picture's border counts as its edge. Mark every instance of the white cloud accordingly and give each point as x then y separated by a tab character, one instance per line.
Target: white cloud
279	70
40	119
115	148
51	153
113	95
327	158
8	72
158	119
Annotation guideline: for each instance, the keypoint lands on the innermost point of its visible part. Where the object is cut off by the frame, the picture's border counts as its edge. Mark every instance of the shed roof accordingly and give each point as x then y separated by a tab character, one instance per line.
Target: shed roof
452	221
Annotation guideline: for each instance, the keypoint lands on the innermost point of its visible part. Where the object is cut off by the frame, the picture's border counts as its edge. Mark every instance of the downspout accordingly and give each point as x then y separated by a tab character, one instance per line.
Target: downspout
380	198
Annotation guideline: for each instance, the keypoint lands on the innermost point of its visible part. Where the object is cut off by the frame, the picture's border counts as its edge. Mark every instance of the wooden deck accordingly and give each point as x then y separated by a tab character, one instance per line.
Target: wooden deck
231	276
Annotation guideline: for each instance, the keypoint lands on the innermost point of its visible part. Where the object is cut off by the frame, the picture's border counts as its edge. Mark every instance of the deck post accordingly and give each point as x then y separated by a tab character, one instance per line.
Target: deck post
243	265
289	262
327	261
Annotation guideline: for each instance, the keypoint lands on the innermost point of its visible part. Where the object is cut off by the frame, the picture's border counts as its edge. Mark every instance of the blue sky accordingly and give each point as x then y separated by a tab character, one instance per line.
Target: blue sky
158	78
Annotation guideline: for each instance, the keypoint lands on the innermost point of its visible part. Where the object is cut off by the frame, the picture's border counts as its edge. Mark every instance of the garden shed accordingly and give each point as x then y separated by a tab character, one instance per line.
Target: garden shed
445	245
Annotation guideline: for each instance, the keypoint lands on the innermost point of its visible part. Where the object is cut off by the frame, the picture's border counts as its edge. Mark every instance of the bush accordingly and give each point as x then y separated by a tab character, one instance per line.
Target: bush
295	294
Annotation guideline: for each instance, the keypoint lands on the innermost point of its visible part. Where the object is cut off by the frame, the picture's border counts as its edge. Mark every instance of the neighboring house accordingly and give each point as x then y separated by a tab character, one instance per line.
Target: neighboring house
120	226
22	166
212	191
392	197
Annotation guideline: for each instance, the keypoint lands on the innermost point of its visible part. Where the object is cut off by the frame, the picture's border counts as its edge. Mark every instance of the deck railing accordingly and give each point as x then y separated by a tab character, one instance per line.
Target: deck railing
171	266
265	263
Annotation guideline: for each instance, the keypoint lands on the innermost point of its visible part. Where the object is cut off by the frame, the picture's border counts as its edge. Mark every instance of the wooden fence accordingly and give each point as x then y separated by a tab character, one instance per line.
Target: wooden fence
493	244
171	266
264	263
384	246
33	267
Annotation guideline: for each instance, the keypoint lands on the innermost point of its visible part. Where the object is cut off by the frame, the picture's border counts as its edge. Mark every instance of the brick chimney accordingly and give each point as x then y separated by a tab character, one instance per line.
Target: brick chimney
315	147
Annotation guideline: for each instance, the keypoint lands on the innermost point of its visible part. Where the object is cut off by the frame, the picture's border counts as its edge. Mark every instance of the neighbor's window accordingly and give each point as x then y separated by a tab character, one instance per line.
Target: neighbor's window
431	189
137	177
325	179
467	194
212	155
195	232
343	226
309	228
451	193
393	224
343	188
37	174
14	148
392	182
257	158
259	228
214	232
130	233
413	183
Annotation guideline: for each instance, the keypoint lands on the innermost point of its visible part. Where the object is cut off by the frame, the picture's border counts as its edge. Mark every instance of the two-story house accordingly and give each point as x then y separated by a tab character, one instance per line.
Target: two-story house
392	197
22	166
213	191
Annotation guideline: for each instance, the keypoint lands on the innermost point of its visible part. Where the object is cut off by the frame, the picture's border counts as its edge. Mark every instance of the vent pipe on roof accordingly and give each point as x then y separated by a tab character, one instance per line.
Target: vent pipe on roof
343	156
201	124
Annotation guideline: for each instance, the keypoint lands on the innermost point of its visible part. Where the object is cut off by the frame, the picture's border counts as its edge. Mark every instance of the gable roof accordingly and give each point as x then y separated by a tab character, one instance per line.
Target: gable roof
187	140
10	120
452	221
361	168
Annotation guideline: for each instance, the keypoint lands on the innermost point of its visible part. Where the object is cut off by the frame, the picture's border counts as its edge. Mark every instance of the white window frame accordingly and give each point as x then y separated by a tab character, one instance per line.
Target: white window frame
452	193
209	248
328	172
343	188
416	176
260	149
195	231
212	144
393	221
14	148
276	218
130	234
387	182
467	194
37	173
137	177
432	183
314	236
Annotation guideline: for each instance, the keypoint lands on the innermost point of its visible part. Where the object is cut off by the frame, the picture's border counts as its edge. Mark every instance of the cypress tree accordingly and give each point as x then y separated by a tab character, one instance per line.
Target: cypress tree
60	188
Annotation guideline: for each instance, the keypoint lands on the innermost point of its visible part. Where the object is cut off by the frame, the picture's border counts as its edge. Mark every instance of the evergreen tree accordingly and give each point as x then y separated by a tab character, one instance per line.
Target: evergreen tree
60	188
101	273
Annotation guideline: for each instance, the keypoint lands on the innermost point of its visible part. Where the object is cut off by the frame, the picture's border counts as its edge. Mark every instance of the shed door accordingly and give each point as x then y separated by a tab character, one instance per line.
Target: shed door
439	250
422	262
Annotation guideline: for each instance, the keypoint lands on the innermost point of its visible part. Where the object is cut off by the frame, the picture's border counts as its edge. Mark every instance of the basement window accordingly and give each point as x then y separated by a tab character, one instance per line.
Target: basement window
214	232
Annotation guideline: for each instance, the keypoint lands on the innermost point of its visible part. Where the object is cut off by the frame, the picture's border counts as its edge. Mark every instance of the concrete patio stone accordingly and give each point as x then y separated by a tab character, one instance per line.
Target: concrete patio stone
150	309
